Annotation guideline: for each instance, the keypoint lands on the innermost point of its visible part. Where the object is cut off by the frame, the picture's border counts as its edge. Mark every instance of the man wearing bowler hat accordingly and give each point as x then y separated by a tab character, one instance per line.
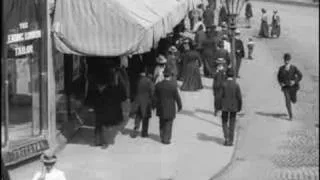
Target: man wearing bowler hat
218	78
231	103
49	172
166	97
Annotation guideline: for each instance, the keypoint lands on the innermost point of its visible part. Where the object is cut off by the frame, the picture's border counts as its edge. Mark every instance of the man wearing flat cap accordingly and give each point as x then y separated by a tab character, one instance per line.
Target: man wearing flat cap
166	98
231	103
49	172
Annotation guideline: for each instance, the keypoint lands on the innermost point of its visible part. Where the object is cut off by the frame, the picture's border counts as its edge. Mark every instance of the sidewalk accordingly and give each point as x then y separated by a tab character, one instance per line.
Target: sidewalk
196	152
309	3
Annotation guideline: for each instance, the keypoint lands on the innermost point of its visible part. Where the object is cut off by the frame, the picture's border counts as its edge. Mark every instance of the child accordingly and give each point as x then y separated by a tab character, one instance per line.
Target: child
250	46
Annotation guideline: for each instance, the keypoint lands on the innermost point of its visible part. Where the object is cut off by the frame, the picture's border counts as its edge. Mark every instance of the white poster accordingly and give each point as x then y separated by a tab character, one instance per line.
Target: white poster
23	76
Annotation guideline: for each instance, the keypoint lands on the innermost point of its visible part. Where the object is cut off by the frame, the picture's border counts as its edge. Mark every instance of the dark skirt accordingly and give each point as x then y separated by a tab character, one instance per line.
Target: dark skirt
192	78
264	30
275	31
217	92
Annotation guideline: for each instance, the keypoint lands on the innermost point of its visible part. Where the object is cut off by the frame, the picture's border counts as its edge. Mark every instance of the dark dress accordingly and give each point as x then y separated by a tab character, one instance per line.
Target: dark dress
275	31
208	17
191	72
208	54
264	28
248	12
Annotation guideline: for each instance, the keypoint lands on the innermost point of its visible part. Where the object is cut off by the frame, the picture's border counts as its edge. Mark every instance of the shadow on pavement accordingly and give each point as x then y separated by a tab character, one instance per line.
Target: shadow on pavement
130	132
192	114
274	115
205	137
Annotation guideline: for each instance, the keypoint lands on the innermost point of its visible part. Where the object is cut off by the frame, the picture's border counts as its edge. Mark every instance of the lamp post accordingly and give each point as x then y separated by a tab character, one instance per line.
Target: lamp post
233	8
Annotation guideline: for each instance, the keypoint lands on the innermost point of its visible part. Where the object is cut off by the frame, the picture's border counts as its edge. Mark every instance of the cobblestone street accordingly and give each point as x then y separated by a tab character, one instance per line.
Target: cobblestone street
270	147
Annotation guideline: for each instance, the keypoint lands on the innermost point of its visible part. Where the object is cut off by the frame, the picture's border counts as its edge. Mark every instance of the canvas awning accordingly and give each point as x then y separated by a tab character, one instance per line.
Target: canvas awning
114	27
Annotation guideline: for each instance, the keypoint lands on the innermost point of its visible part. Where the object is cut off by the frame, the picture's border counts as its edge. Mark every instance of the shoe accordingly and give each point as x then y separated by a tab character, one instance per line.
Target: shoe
134	134
104	146
144	135
229	144
166	142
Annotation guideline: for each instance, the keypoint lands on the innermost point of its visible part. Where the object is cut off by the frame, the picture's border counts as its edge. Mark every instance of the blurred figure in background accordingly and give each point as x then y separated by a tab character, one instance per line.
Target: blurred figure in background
264	27
275	24
250	47
248	13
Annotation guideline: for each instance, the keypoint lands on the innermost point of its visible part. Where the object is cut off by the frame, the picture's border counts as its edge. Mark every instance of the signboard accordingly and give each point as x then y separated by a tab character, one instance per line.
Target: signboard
25	152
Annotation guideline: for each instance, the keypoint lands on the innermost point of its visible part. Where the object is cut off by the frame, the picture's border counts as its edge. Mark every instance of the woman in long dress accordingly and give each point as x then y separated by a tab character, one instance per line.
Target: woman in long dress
191	69
264	28
275	31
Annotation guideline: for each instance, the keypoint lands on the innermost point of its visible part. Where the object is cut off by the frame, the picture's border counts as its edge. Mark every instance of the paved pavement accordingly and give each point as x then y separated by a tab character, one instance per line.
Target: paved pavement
308	3
196	152
270	147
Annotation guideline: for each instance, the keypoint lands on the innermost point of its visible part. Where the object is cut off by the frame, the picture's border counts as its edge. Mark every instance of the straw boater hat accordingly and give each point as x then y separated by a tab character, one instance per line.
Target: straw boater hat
161	59
237	31
221	61
224	24
48	158
173	49
275	11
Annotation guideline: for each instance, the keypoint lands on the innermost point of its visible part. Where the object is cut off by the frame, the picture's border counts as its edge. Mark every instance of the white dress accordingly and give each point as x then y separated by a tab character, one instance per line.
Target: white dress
54	174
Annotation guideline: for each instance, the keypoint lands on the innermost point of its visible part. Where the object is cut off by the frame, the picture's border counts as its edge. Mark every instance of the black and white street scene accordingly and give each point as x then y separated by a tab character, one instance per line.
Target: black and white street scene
160	90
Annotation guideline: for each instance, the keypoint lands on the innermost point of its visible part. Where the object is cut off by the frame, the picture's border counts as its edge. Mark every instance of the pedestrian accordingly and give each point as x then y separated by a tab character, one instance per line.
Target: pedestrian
218	78
200	37
208	16
143	104
231	103
209	50
240	53
250	47
264	27
248	13
158	71
275	24
172	62
166	97
49	172
289	77
191	70
109	95
223	16
224	31
221	53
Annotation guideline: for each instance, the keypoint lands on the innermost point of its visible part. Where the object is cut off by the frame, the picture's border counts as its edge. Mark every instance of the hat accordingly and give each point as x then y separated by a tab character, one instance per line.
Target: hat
173	49
48	158
220	61
225	37
186	40
275	11
161	59
230	72
237	31
167	72
287	56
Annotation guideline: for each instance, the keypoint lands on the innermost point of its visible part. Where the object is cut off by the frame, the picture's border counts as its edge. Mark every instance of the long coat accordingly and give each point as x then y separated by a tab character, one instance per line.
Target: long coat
248	11
219	77
223	17
166	96
208	17
144	97
239	47
107	105
293	74
231	96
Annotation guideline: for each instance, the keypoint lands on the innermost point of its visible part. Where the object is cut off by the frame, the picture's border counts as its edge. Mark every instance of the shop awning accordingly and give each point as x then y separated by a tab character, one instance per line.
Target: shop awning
114	27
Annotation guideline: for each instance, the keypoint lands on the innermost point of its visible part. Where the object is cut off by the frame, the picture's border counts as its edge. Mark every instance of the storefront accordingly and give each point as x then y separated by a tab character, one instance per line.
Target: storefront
23	83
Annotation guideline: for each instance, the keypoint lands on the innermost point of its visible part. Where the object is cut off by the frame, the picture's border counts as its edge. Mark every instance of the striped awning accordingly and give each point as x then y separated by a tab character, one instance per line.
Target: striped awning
114	27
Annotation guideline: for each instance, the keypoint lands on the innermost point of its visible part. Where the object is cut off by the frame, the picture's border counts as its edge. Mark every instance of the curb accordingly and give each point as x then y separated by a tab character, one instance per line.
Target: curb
297	3
233	157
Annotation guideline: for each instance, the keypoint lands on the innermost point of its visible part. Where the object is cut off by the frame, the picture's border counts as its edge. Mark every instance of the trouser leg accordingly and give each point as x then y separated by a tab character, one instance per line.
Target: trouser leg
137	122
232	123
293	94
98	131
288	101
168	131
250	50
224	118
238	64
145	126
162	124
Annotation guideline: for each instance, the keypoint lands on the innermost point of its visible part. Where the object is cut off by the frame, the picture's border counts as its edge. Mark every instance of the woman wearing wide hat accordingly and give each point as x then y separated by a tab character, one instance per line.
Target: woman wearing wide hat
264	28
158	71
49	172
275	24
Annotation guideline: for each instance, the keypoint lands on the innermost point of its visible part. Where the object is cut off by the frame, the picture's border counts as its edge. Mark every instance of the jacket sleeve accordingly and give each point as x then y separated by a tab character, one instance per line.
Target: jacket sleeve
298	75
279	76
178	99
239	97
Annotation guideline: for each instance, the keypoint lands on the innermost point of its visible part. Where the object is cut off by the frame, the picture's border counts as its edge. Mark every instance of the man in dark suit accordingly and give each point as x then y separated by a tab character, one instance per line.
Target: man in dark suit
289	77
231	104
167	95
239	51
143	103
